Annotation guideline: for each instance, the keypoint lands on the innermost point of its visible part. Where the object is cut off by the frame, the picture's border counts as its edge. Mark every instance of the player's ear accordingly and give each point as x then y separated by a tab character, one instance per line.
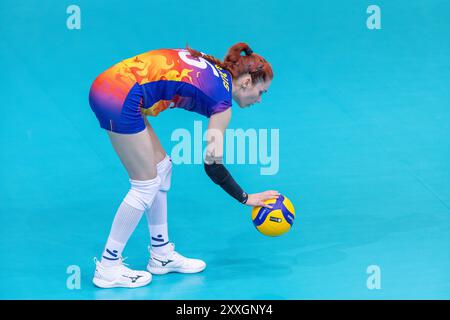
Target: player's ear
248	81
245	81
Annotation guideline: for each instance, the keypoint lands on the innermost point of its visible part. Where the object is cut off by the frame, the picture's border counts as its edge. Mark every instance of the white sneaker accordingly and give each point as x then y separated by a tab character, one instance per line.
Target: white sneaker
173	262
119	276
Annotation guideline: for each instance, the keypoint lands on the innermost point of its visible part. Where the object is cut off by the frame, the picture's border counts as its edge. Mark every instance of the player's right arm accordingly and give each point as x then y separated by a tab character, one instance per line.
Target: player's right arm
216	170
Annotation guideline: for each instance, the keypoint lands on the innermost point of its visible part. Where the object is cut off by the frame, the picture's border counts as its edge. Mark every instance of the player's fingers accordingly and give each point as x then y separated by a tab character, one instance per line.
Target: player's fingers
270	196
262	203
265	205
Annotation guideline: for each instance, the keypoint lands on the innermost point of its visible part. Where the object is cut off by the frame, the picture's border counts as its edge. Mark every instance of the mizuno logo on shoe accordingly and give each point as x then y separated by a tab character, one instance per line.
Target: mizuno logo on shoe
163	263
133	279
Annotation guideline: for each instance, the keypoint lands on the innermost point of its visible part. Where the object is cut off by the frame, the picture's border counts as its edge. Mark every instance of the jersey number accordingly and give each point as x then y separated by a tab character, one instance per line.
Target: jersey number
200	63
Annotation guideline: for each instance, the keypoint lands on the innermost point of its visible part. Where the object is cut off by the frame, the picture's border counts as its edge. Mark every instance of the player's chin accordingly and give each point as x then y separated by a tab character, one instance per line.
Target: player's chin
245	105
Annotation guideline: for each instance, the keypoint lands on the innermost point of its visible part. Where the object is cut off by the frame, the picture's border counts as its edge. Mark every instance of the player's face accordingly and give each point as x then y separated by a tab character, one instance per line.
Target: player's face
246	93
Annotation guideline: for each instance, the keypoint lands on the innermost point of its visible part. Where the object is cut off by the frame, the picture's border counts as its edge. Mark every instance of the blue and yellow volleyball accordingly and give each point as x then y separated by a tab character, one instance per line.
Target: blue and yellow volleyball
276	221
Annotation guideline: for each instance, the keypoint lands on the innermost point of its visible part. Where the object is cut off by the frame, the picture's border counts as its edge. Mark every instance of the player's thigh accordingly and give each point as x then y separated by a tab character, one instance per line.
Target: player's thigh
160	153
136	153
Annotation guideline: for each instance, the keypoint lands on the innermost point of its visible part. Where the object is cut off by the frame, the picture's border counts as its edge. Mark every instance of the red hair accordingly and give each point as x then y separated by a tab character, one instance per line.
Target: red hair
238	65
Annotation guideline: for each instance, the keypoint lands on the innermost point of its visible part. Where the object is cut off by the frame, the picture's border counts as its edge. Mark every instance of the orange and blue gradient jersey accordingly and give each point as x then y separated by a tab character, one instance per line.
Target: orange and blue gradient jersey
162	79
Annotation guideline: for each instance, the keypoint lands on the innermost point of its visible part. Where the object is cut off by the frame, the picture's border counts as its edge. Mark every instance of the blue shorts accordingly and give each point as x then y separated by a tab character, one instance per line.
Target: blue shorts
116	103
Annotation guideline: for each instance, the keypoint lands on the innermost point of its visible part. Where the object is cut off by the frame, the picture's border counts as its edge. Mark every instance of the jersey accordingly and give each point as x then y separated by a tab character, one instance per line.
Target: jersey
172	78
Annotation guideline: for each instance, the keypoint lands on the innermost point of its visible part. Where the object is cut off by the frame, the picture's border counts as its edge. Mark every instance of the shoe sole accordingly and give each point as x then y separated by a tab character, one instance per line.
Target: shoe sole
159	271
107	284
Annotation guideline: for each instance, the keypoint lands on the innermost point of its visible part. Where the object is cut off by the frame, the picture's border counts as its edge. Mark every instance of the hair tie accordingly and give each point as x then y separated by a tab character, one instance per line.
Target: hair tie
249	51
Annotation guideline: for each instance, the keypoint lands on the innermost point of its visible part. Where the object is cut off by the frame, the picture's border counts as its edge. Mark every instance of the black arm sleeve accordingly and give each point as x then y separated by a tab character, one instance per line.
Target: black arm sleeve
220	175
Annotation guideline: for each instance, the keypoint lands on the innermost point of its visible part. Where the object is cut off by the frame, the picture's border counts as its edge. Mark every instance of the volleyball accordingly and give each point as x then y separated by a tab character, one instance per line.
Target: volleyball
276	221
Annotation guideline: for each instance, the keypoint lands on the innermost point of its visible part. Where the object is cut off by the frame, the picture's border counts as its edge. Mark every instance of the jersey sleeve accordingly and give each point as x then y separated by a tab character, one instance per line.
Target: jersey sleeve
220	106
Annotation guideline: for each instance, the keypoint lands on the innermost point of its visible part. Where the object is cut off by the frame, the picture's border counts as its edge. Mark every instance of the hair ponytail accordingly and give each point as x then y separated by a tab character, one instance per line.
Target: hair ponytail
237	64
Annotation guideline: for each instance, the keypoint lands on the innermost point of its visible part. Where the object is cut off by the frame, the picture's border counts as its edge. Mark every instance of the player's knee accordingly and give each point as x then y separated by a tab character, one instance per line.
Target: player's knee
142	193
165	173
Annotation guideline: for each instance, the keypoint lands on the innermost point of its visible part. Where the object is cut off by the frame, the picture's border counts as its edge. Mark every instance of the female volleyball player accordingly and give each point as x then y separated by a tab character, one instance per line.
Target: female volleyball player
147	84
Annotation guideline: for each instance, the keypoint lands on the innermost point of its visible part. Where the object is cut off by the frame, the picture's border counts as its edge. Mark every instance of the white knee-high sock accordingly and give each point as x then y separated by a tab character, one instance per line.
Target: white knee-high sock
157	214
125	222
157	224
139	198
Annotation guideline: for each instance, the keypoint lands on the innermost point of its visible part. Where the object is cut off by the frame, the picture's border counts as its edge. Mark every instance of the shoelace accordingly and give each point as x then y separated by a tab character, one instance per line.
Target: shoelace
122	259
125	266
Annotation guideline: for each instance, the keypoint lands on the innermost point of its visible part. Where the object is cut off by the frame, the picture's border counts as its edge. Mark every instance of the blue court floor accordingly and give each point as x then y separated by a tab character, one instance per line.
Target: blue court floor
364	150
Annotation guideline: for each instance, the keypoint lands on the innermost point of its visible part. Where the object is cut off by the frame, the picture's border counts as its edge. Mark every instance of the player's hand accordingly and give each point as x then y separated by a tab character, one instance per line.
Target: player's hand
257	199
